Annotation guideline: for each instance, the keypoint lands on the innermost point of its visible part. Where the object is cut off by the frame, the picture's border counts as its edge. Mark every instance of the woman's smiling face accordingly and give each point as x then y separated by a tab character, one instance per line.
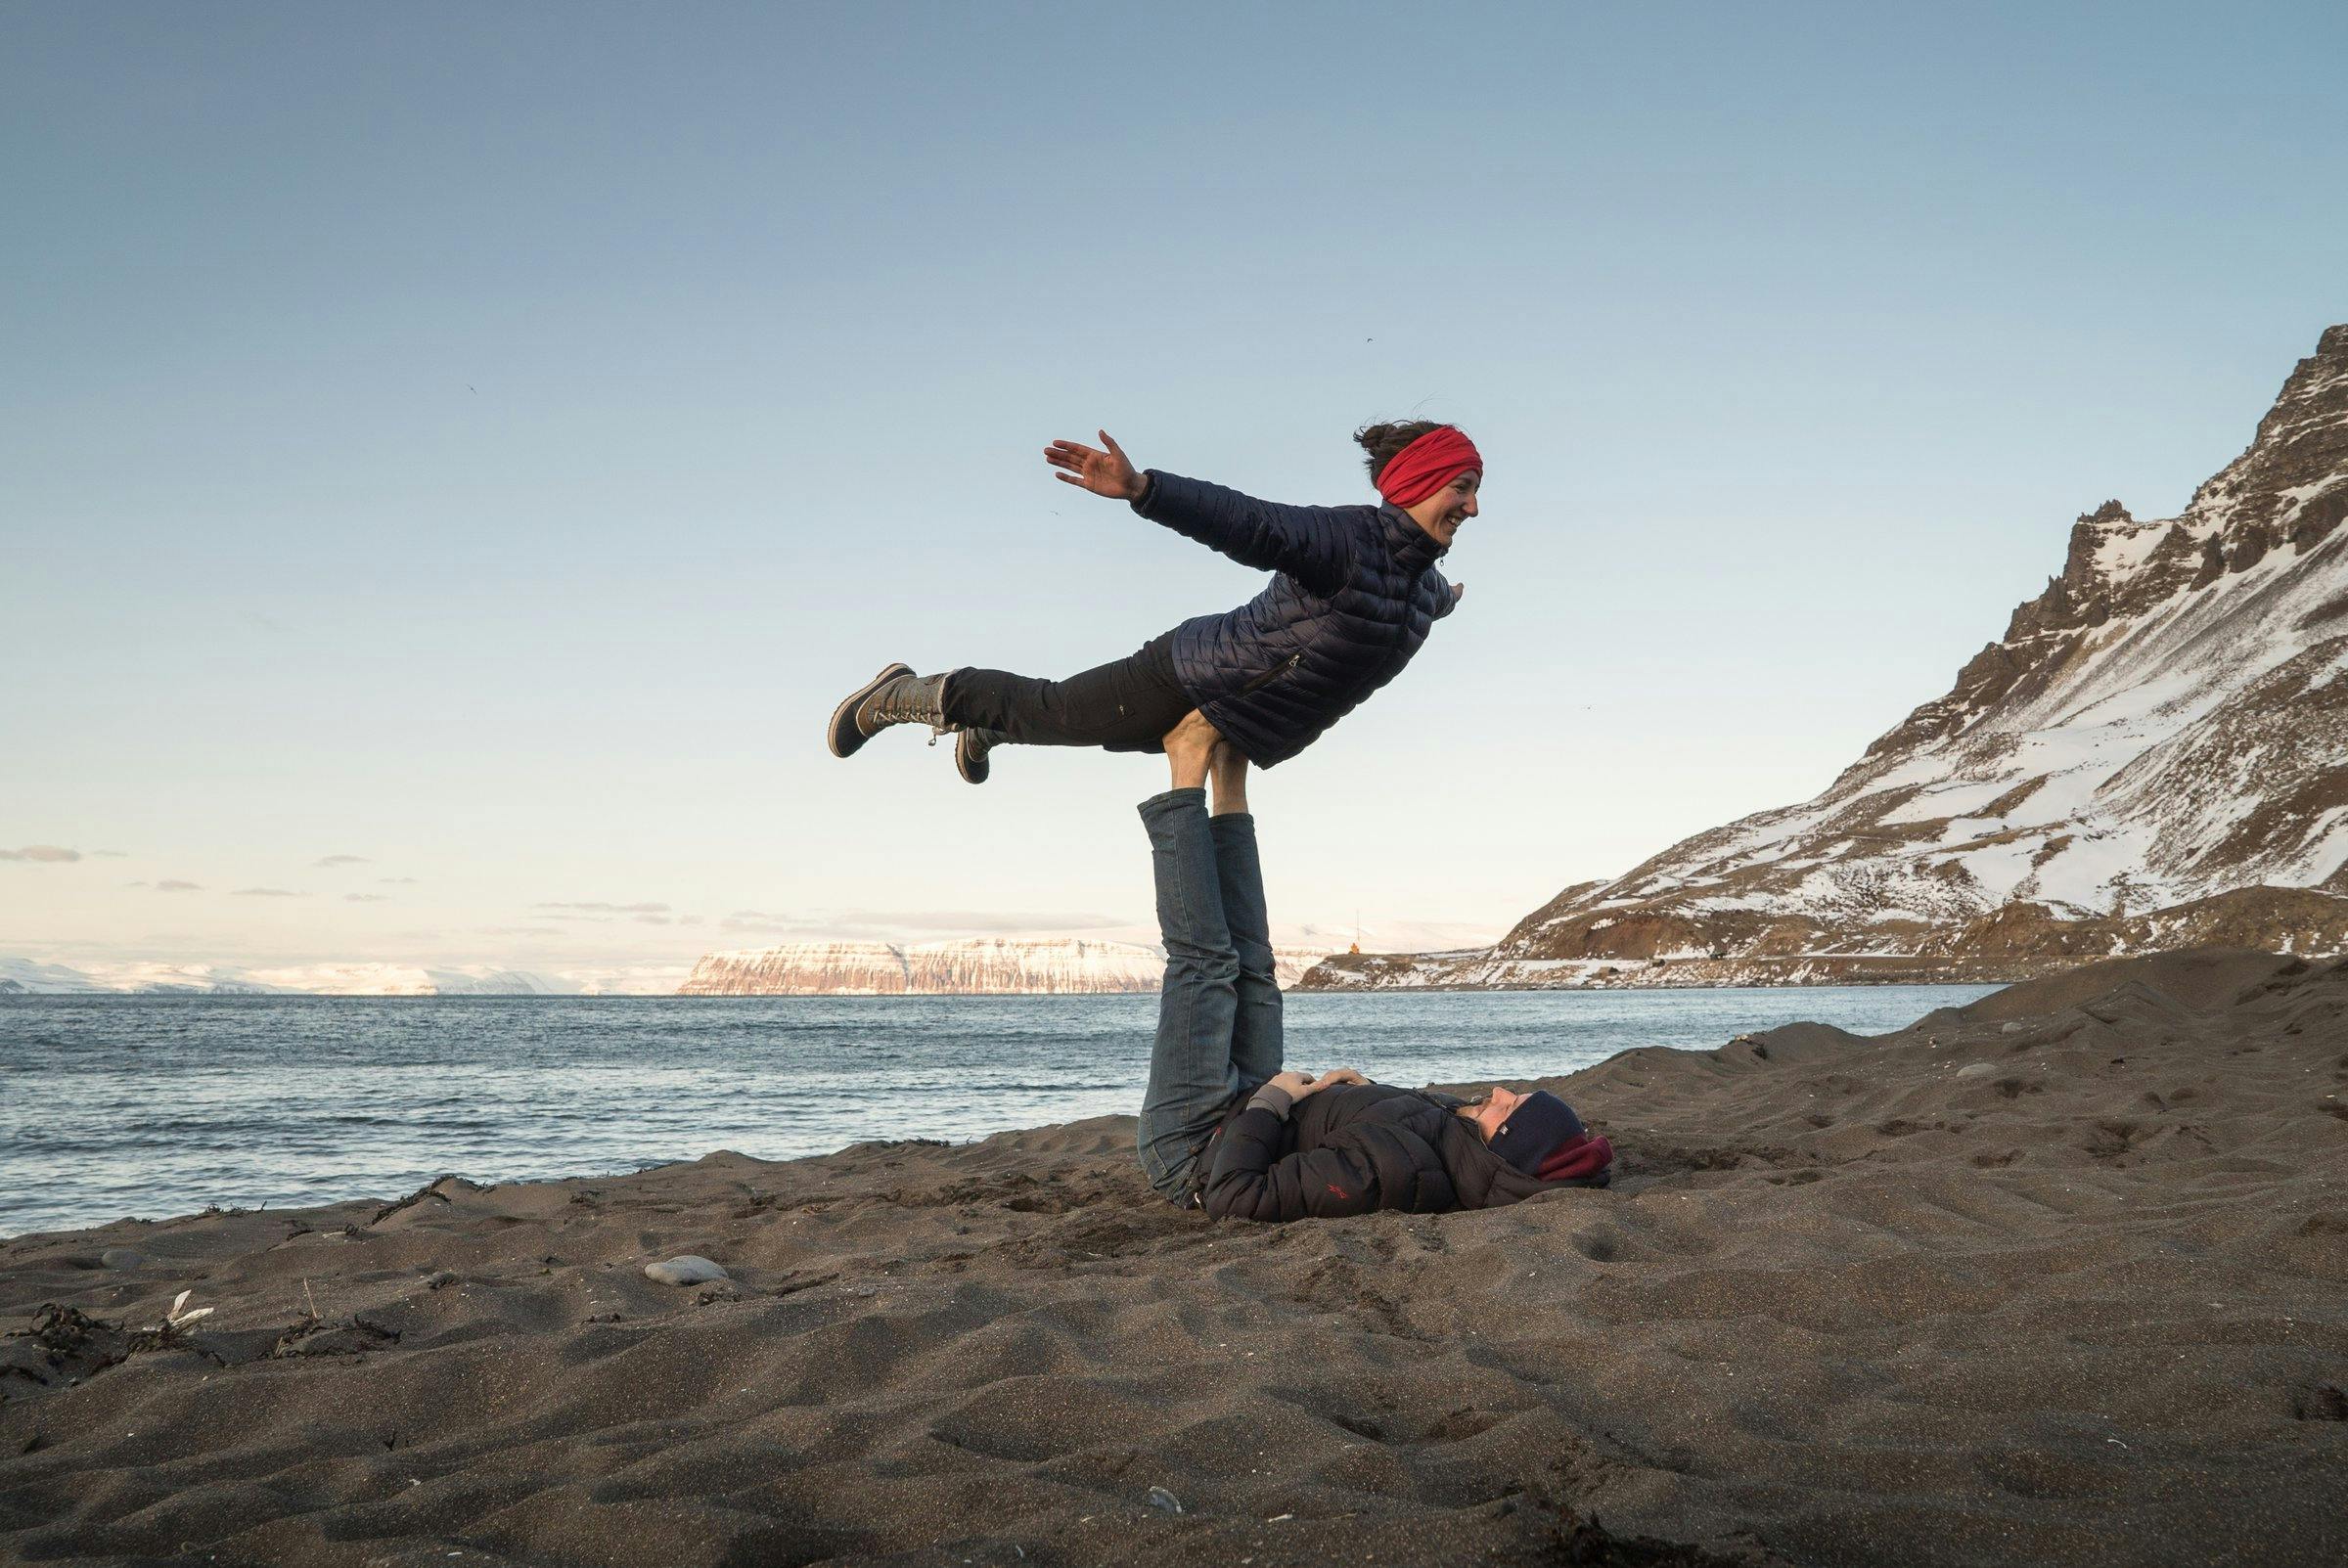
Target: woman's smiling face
1442	513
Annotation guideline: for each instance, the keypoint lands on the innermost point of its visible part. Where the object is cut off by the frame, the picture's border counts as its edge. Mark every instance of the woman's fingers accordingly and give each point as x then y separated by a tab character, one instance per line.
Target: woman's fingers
1102	472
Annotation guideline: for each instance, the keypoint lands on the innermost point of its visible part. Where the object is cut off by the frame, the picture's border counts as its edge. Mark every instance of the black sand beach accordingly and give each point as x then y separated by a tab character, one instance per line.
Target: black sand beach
2061	1276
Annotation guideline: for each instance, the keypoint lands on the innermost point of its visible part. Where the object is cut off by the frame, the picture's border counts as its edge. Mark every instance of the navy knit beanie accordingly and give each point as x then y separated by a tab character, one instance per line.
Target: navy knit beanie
1540	1124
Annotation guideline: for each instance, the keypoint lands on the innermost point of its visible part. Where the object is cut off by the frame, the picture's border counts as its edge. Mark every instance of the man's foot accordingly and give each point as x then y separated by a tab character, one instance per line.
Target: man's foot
895	696
1189	746
971	747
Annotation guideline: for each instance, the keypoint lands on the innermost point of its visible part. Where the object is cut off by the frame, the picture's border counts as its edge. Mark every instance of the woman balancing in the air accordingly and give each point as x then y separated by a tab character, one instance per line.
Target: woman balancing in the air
1355	593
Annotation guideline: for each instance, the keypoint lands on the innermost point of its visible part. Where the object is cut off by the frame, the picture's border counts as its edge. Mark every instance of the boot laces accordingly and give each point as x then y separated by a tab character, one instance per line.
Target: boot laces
904	700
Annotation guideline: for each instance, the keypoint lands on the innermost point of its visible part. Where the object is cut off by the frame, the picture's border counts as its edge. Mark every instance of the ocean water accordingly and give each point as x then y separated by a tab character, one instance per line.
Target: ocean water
156	1106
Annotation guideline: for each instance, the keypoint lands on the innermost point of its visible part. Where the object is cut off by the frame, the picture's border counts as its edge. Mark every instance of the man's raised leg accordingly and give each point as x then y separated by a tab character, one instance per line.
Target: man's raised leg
1192	1080
1256	1044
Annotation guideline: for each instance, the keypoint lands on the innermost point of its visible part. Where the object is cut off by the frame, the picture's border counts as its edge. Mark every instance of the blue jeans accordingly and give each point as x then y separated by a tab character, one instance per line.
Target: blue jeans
1218	1011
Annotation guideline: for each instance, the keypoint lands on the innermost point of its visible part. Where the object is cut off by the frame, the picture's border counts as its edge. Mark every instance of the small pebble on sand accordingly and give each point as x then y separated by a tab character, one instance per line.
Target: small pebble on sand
1978	1069
688	1270
124	1258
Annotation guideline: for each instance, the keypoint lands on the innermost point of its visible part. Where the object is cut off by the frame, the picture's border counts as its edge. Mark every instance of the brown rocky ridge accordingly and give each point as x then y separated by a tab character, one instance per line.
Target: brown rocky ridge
2153	756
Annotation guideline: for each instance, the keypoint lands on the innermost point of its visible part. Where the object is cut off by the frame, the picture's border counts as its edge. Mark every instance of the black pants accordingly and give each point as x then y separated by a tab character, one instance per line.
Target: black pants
1126	705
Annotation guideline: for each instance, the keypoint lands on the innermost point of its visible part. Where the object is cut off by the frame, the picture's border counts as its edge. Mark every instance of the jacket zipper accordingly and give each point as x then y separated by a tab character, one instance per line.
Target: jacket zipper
1272	674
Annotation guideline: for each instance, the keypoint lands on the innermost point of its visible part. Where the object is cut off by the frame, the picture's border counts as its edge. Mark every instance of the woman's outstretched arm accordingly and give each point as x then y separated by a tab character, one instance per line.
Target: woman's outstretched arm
1312	544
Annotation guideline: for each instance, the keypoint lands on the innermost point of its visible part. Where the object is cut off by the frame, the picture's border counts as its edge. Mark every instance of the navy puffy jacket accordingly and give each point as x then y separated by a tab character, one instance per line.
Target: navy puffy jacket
1356	594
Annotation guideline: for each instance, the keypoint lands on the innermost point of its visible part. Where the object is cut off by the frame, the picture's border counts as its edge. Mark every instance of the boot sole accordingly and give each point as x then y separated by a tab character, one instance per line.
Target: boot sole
844	738
971	763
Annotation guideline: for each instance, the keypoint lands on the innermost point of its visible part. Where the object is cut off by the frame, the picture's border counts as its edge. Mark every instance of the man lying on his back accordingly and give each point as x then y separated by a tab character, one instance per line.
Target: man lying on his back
1224	1128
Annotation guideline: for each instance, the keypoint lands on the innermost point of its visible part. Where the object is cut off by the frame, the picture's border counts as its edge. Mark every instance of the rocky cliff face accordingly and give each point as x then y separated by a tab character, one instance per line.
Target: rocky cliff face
987	965
2154	754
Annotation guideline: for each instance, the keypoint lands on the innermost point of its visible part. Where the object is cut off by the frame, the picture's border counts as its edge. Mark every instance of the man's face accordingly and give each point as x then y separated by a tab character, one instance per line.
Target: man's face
1497	1108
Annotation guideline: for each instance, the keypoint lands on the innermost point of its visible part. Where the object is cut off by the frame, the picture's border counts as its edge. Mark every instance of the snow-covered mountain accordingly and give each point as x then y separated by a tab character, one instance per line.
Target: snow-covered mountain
2154	754
20	976
982	967
410	980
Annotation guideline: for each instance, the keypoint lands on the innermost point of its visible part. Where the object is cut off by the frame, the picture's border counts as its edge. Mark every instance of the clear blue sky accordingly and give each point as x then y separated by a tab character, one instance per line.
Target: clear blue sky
486	440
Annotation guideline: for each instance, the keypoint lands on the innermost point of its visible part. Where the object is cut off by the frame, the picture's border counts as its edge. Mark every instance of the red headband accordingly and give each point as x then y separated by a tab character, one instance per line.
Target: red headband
1427	465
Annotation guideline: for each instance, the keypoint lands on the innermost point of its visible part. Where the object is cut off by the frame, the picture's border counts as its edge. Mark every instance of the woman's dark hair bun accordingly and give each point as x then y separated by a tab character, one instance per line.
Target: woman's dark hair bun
1382	441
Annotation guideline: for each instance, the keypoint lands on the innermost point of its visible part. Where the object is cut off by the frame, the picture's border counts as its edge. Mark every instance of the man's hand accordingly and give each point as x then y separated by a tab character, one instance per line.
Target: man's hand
1107	473
1298	1085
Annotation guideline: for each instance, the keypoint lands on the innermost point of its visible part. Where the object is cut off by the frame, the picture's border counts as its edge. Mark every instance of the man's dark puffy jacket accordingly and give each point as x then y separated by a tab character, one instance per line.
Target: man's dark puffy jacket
1356	593
1355	1148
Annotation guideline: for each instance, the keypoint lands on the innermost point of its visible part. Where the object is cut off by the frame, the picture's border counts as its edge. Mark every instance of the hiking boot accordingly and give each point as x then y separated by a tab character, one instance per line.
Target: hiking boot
895	696
971	747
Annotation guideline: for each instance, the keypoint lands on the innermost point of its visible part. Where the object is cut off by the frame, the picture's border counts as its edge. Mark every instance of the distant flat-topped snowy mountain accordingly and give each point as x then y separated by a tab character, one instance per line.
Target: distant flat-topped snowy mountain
2154	755
982	967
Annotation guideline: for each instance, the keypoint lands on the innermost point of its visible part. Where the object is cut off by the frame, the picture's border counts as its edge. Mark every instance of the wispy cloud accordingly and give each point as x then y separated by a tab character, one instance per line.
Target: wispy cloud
51	853
597	907
366	898
172	884
344	860
759	921
988	921
396	881
262	892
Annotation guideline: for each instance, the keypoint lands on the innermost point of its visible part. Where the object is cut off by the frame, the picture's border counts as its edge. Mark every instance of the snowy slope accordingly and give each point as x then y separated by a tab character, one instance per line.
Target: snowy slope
982	967
22	975
409	980
2165	726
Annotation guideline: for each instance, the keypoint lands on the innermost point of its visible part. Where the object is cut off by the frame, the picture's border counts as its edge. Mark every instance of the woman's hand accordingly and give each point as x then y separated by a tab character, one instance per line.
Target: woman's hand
1107	473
